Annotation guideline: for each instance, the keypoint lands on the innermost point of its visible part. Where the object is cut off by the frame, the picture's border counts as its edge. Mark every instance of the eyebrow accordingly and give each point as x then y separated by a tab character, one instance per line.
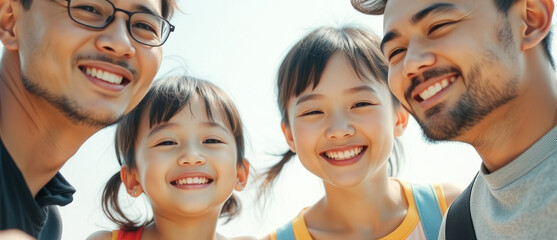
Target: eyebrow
143	8
433	8
167	125
308	97
388	37
353	90
419	16
161	127
364	88
214	125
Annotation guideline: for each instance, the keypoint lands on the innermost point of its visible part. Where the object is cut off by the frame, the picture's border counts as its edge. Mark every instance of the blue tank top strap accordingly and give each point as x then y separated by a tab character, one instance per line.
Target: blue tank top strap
428	209
285	232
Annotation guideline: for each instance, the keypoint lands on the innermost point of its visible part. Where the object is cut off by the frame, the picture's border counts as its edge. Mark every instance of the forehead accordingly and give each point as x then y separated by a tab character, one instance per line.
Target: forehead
401	12
154	6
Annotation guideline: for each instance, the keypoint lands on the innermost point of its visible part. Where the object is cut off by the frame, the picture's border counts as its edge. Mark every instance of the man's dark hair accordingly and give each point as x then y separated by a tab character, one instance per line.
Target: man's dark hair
377	7
168	7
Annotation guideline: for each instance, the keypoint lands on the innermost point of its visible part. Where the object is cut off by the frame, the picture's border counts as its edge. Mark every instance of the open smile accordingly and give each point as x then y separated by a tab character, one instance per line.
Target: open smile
104	75
345	156
192	180
434	88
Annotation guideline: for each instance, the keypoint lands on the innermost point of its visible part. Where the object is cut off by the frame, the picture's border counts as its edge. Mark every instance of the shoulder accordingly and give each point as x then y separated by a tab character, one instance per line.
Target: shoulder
100	235
451	191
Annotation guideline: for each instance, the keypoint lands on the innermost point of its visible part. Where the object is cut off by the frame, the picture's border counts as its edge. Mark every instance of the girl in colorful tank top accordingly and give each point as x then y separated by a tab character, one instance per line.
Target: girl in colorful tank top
340	119
182	148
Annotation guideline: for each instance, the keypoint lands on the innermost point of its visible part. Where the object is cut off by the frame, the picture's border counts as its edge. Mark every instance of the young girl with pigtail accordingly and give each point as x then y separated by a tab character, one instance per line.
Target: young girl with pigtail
183	148
340	119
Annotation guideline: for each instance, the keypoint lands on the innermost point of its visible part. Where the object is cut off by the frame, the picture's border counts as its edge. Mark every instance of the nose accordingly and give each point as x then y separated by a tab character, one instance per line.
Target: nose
115	39
191	157
417	59
339	127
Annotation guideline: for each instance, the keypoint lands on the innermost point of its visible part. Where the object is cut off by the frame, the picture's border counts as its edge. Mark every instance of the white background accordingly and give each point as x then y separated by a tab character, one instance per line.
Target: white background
238	45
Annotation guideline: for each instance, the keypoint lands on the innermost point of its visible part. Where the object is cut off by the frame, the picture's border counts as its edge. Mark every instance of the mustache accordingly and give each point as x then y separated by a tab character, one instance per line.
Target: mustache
431	73
111	60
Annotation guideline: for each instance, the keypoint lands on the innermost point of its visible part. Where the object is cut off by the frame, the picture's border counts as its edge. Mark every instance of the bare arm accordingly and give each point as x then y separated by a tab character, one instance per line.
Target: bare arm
451	191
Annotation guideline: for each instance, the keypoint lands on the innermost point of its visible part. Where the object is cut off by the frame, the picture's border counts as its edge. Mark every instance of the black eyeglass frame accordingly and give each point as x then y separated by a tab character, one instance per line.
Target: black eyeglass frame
128	25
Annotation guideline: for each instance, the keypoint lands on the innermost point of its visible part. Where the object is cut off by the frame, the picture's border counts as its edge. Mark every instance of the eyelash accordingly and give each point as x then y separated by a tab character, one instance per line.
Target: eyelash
395	52
314	112
212	141
166	143
438	26
362	104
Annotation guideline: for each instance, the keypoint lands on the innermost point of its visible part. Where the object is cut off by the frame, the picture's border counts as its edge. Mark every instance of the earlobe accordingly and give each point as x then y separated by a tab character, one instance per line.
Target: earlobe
537	15
129	178
288	135
7	24
401	117
242	176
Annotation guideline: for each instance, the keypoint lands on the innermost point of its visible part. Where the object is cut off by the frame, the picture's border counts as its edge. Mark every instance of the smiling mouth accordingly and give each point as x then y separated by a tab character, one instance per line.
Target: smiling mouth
191	181
345	154
104	75
435	88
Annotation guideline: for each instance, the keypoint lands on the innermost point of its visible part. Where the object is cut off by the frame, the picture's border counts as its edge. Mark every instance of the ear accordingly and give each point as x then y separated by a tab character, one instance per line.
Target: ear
537	15
288	135
129	178
242	173
7	24
401	120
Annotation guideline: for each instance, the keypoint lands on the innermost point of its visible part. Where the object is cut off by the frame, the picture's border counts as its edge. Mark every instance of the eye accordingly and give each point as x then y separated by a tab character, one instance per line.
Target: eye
144	26
88	8
309	113
395	52
438	26
166	143
362	104
212	141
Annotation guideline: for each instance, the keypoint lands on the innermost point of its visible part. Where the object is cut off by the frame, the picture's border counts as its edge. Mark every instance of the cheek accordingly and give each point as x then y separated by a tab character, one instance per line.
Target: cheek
395	83
304	133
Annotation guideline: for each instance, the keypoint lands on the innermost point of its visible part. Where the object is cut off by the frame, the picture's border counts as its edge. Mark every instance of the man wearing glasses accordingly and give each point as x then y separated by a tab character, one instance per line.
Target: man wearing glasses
69	69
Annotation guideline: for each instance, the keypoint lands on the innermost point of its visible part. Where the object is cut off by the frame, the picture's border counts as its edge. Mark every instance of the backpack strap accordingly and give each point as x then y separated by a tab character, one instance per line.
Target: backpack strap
459	221
428	209
285	232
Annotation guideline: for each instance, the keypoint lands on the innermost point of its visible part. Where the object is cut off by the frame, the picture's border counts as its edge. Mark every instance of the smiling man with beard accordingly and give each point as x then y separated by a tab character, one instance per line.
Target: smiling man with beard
481	72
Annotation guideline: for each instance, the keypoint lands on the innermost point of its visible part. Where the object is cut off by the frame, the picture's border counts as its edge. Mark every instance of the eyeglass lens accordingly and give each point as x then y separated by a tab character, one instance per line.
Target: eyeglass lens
146	28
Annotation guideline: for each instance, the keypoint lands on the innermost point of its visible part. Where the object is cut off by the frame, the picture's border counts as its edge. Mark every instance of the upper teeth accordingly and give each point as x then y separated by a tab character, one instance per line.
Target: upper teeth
346	154
192	180
103	75
435	88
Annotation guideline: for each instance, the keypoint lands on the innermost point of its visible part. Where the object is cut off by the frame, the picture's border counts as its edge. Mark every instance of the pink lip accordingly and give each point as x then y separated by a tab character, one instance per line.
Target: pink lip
344	162
191	175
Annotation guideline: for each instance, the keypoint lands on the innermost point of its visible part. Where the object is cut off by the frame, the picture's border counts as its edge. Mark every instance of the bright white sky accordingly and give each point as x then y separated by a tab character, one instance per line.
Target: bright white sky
238	45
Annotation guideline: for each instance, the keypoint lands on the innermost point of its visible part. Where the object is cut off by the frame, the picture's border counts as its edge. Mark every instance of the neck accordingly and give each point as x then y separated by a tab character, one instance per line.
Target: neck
513	128
174	227
374	208
37	136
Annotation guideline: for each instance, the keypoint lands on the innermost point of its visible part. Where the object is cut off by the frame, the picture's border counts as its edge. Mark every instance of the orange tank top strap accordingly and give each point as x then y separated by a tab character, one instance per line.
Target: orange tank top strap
127	235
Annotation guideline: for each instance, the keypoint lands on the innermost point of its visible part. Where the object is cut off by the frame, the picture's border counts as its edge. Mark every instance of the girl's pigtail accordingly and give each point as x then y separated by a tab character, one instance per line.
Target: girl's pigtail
111	206
270	176
231	208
